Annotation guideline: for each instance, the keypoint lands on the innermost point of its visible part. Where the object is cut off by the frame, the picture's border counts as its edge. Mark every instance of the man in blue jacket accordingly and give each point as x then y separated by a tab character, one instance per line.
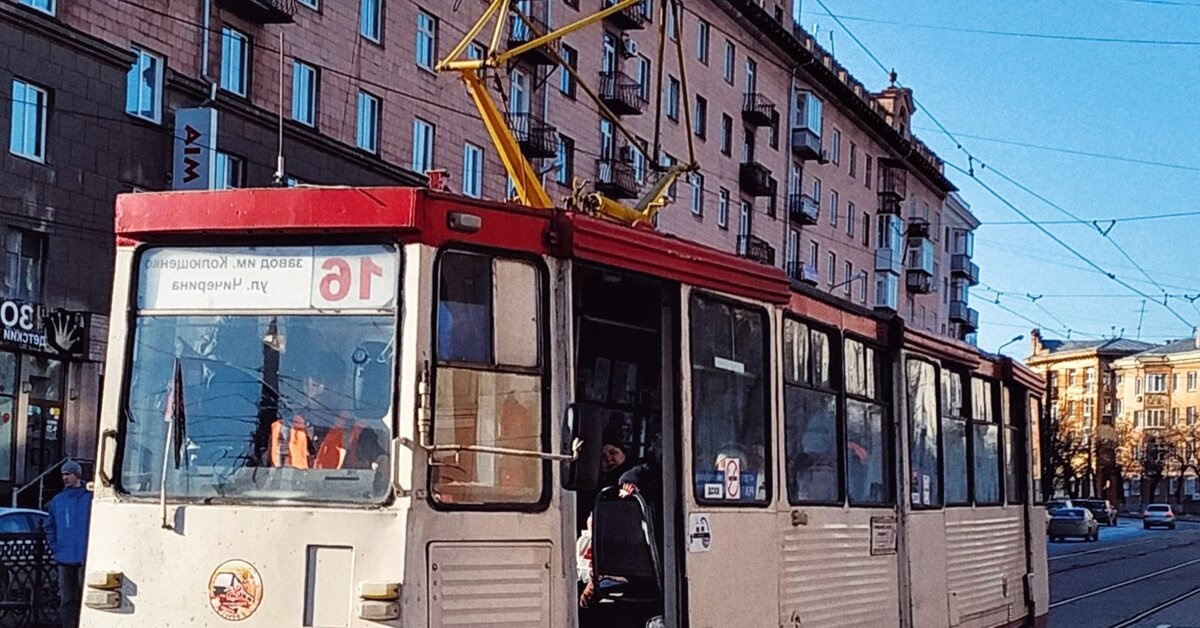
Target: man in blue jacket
67	533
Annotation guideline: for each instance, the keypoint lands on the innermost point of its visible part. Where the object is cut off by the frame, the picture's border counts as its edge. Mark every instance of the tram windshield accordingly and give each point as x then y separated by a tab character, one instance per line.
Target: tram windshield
261	374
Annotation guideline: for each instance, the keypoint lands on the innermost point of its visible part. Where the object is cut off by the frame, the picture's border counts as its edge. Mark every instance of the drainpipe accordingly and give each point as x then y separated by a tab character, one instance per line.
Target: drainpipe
205	35
787	199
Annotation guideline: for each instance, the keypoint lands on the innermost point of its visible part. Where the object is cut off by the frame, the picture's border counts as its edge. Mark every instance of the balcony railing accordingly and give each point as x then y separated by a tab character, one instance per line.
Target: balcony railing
757	249
917	228
537	139
889	260
803	272
918	282
755	179
893	186
962	266
966	317
621	94
524	30
628	19
803	209
758	110
261	11
806	144
615	178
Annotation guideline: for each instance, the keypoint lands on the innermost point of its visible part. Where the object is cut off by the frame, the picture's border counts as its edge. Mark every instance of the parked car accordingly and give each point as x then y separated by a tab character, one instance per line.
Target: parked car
1158	515
1073	522
22	520
1101	509
1055	505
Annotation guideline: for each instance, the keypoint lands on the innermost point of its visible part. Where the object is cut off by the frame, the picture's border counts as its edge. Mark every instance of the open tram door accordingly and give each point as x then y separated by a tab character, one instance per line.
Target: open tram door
625	330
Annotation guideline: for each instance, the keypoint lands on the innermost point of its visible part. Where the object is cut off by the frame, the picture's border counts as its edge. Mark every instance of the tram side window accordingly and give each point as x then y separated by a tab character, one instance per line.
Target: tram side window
730	450
868	448
1035	459
1014	446
489	380
986	443
954	439
923	434
810	401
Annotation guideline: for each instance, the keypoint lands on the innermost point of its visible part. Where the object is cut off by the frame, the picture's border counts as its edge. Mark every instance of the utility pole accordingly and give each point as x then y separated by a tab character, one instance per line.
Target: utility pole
1141	316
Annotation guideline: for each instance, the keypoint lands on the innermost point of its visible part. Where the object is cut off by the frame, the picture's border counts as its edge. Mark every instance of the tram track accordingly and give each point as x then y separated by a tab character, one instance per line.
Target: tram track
1113	554
1124	583
1150	612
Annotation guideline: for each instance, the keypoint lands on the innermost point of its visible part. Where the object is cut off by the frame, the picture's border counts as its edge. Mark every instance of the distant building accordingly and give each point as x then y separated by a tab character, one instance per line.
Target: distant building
1157	397
1082	405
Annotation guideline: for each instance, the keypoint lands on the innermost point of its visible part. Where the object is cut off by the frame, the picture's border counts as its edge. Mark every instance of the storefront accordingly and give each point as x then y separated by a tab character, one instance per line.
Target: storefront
49	390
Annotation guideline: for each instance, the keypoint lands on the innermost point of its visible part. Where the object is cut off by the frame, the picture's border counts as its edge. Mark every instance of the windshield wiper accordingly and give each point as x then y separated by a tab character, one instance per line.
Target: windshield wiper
176	420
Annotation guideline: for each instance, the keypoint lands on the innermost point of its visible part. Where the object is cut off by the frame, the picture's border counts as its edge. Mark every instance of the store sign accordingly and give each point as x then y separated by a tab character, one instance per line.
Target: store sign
34	327
195	148
333	278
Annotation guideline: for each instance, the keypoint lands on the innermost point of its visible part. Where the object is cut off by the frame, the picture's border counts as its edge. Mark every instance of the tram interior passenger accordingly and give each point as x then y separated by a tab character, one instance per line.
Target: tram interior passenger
618	330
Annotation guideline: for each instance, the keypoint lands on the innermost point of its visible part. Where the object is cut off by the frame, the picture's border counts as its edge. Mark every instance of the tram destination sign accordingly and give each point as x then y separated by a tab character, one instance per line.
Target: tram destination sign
336	278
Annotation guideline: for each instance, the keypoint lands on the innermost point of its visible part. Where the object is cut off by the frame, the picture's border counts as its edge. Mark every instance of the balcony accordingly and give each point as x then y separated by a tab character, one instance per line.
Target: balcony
803	209
804	273
756	249
261	11
621	94
615	179
806	145
918	228
755	180
889	260
757	110
627	19
962	266
918	282
537	139
967	318
524	30
893	186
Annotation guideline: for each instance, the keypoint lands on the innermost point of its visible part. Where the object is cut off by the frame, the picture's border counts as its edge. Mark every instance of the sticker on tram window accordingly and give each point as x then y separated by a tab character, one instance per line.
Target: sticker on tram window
359	277
719	485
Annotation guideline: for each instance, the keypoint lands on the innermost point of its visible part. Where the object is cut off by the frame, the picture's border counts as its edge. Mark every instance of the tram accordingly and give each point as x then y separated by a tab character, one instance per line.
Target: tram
397	407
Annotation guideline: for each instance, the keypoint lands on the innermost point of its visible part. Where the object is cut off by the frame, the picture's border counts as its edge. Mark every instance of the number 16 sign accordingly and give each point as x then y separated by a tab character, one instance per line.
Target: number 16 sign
355	280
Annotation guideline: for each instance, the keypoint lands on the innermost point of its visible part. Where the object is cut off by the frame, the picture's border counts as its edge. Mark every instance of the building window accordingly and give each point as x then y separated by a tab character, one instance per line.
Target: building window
832	257
643	78
367	135
24	254
816	194
315	5
304	93
45	6
476	51
850	213
235	61
814	258
566	80
700	117
565	172
673	98
723	209
672	24
728	67
574	4
847	277
726	134
143	86
1089	380
1191	415
1070	377
369	19
426	40
866	229
833	207
853	159
867	172
743	245
702	34
1191	380
422	147
835	147
1156	418
1156	383
773	138
27	131
230	172
697	194
472	177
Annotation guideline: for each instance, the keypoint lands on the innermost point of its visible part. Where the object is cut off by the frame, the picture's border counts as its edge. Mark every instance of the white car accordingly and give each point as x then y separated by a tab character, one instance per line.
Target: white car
1158	515
21	520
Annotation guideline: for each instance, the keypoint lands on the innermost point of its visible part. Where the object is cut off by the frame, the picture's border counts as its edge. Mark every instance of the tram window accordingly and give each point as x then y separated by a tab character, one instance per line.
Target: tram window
1035	448
923	431
985	435
811	434
954	439
489	381
730	451
868	449
1014	446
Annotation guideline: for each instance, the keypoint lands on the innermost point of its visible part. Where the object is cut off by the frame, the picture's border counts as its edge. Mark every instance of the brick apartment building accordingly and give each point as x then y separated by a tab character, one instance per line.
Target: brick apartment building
801	165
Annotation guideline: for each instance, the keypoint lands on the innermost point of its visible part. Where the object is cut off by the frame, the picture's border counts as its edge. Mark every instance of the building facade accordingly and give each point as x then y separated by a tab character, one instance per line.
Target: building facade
1080	428
801	165
1158	397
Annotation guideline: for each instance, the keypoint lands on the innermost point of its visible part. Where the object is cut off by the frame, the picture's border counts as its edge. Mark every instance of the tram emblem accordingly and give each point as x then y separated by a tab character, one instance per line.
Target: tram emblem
235	590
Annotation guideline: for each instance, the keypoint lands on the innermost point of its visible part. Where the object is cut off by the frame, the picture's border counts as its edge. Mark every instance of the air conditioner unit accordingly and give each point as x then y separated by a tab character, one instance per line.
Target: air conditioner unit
629	47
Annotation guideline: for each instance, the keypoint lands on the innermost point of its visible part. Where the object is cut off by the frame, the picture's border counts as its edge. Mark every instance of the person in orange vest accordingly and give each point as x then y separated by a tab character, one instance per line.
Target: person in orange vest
292	441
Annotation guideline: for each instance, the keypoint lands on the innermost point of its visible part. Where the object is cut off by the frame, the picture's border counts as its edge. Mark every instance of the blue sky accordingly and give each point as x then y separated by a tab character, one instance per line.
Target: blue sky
1123	100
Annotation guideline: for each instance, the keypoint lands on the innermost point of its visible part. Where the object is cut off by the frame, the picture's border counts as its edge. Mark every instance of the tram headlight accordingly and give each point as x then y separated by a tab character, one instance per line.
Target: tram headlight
103	589
378	601
102	600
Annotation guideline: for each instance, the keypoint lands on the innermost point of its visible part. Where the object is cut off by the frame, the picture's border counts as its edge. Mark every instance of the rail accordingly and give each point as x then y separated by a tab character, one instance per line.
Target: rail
40	482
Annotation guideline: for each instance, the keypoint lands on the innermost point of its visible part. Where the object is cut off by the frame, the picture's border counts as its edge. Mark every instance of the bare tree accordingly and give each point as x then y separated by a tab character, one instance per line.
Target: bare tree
1065	455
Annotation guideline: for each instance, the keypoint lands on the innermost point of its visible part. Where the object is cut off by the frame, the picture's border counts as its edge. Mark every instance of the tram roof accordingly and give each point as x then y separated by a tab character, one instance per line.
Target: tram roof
421	215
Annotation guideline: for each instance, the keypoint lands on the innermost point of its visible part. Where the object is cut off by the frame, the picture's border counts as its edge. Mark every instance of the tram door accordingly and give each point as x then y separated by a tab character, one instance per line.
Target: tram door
728	486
